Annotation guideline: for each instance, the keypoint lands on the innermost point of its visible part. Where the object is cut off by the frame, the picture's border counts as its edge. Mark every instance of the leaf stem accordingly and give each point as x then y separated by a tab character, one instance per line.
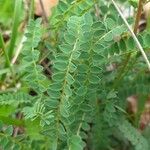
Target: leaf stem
138	16
43	11
125	63
31	10
7	63
80	125
133	35
2	46
17	12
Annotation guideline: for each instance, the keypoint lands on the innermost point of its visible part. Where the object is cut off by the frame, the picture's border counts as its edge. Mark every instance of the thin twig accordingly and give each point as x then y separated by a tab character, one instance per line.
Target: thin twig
138	16
2	46
18	50
80	125
43	11
127	59
46	67
97	11
16	129
133	35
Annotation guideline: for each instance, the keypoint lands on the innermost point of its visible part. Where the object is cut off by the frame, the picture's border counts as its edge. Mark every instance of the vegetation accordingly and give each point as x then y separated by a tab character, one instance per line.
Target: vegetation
65	80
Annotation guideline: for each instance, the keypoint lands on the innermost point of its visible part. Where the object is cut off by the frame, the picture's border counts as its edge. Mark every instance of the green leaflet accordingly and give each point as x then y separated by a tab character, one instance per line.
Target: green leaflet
15	98
65	70
137	140
94	67
35	78
75	143
66	9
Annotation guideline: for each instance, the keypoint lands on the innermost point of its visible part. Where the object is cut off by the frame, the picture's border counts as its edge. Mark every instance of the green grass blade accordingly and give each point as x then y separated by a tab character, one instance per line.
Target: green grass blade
2	46
17	12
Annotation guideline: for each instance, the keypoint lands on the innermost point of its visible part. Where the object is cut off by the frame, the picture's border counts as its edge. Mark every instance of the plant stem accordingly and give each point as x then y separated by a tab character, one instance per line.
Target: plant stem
121	72
16	129
133	35
2	46
19	48
138	16
31	10
43	11
80	125
139	11
7	63
17	12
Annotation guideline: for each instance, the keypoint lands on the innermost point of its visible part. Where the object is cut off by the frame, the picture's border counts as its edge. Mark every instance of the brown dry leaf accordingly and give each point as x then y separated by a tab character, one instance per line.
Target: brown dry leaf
145	116
146	9
47	4
145	15
132	104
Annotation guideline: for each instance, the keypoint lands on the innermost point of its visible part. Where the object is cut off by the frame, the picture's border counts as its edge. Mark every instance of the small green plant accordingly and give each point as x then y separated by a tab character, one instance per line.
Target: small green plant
66	87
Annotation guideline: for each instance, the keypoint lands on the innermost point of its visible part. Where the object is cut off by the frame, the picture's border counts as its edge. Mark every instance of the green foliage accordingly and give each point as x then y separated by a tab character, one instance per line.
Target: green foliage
67	8
33	75
134	3
6	11
15	98
93	65
137	140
